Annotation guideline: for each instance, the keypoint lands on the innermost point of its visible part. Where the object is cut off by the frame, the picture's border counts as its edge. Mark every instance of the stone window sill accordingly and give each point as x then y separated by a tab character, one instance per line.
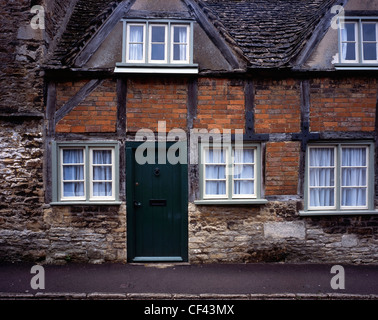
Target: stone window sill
336	212
233	202
90	203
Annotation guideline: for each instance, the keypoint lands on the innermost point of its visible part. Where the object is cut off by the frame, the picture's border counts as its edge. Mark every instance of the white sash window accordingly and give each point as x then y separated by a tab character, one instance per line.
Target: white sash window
85	172
339	177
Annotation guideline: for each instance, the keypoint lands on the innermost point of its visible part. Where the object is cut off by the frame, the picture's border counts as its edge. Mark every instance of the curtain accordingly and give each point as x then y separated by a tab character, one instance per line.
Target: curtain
215	172
73	173
348	49
321	182
136	43
102	173
180	43
354	177
243	171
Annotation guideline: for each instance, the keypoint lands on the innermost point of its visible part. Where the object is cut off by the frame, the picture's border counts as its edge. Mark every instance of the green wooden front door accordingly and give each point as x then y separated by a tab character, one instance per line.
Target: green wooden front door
156	209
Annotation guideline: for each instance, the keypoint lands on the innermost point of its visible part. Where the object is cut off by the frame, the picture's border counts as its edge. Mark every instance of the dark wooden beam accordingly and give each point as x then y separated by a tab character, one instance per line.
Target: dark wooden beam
192	101
49	136
249	102
376	147
121	107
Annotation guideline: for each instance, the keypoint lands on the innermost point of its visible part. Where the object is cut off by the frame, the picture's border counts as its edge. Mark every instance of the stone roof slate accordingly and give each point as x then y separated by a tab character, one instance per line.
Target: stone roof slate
269	33
87	17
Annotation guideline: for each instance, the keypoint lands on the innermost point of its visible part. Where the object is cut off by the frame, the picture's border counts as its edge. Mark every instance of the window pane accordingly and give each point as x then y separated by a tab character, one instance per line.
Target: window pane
136	52
215	156
368	32
73	173
348	33
158	34
353	197
243	171
102	189
244	187
73	189
157	52
354	177
136	34
322	177
322	197
349	51
102	157
370	51
215	172
322	157
73	156
102	173
353	157
243	155
215	187
179	52
180	34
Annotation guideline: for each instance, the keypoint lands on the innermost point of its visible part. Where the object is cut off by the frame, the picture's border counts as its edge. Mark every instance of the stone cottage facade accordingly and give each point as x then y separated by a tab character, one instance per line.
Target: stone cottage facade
206	131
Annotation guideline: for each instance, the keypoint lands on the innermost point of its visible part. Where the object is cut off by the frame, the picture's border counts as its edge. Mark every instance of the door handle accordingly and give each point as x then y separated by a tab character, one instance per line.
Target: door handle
137	204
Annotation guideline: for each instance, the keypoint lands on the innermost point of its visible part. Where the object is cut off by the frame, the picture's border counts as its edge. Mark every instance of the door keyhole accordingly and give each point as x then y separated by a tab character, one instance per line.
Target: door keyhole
157	172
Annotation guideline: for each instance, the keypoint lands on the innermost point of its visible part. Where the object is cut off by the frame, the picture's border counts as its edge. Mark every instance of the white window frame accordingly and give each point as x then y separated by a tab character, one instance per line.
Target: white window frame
128	60
147	45
376	42
339	209
359	61
226	165
62	181
230	196
87	147
251	195
356	42
172	43
334	187
161	25
91	167
367	178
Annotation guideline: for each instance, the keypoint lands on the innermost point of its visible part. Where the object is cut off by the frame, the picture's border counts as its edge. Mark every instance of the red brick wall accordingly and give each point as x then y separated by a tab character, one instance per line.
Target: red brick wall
220	104
343	104
282	167
277	106
66	90
150	100
97	113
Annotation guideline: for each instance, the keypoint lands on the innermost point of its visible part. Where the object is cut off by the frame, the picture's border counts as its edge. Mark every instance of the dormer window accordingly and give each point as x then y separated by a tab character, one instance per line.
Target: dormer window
358	42
157	47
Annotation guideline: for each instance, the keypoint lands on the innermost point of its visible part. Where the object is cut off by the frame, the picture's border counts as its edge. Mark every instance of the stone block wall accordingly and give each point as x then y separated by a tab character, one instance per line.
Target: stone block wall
23	49
93	234
22	229
275	233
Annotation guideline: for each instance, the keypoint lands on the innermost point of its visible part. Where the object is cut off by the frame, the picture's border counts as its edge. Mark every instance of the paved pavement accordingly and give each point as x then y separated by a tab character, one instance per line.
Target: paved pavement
184	281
